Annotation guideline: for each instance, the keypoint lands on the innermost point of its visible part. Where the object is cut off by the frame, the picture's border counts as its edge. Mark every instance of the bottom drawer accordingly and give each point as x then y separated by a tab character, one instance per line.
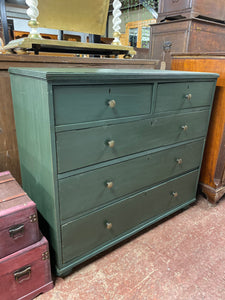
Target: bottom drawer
94	231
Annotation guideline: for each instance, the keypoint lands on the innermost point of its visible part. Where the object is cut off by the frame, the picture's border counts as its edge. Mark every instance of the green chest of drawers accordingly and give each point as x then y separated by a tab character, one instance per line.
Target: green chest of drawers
106	153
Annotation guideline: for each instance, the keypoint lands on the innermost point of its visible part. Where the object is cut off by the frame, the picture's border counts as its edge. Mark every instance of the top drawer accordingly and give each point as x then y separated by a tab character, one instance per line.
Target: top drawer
183	95
75	104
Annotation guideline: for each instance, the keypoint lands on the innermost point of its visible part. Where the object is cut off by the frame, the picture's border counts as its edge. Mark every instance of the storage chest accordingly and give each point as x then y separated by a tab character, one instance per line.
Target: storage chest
26	273
185	36
171	9
18	217
105	153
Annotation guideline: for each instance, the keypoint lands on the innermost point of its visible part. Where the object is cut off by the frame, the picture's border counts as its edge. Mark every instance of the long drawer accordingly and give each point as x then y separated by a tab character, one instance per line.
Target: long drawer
95	230
178	96
89	190
75	104
79	148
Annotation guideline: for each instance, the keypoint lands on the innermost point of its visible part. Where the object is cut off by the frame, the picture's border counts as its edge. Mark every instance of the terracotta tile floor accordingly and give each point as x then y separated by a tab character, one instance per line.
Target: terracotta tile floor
181	258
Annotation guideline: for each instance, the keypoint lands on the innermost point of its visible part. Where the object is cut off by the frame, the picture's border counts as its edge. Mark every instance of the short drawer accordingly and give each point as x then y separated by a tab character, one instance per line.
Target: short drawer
178	96
75	104
79	148
98	230
86	191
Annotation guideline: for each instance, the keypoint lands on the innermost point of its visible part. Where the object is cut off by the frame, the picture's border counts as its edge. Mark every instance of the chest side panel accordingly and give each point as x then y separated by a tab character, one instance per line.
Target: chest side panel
36	148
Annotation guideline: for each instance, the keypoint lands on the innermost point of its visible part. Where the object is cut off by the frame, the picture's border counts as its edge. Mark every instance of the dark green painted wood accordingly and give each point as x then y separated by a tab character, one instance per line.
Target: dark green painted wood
127	177
86	74
72	104
92	124
86	197
84	235
79	148
36	146
171	97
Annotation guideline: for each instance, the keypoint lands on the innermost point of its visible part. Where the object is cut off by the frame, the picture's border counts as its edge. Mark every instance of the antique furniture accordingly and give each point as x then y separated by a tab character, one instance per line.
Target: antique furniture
26	273
8	145
174	9
18	217
78	15
185	36
24	255
212	178
104	153
137	33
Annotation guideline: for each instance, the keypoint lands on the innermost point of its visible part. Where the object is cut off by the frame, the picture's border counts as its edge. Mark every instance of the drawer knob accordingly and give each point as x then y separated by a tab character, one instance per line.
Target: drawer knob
112	103
185	127
175	194
179	161
109	184
188	97
111	143
108	225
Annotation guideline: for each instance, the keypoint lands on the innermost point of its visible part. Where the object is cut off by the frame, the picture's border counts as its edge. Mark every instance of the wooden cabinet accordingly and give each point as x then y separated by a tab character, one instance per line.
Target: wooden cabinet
212	179
106	153
171	9
185	36
137	34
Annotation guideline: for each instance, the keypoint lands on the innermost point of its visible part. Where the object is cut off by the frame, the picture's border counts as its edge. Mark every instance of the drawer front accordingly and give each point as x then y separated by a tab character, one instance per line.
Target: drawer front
178	96
75	104
113	141
86	191
82	236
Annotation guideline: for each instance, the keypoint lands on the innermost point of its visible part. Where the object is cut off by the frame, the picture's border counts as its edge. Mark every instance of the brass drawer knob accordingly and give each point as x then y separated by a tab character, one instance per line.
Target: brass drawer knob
108	225
112	103
175	194
179	161
111	143
185	127
188	97
109	184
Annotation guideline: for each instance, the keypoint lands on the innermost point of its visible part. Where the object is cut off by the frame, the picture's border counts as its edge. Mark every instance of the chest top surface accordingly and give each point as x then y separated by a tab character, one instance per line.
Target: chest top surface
104	74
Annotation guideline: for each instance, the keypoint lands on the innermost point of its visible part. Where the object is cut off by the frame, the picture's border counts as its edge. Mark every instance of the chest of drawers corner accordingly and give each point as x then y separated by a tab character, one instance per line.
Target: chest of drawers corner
212	175
106	153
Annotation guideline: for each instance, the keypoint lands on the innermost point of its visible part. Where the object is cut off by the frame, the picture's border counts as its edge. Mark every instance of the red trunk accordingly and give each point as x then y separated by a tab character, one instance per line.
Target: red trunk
26	273
18	217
